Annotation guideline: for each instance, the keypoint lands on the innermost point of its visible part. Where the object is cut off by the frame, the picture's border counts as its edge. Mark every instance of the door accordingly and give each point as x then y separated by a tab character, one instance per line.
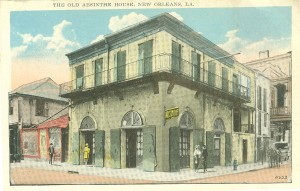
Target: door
228	147
149	149
75	148
245	150
210	148
184	148
217	148
115	148
174	149
99	147
131	138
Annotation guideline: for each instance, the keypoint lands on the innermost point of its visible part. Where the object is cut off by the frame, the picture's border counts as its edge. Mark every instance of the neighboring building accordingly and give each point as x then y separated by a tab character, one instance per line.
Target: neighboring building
279	70
30	105
262	121
143	97
56	132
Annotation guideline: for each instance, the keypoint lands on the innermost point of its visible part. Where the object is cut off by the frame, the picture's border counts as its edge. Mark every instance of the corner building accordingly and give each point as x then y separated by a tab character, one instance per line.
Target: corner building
143	98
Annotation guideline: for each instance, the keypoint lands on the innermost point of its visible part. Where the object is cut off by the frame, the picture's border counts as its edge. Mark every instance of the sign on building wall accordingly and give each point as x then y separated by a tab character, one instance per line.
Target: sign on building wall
170	113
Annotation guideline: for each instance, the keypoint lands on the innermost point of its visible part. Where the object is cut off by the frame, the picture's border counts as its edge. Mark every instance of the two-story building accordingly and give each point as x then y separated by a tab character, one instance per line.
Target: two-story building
279	70
262	122
30	105
143	97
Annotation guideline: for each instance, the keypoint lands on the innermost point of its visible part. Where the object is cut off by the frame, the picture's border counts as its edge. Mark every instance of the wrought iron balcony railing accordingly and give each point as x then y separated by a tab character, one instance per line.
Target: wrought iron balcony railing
155	64
280	111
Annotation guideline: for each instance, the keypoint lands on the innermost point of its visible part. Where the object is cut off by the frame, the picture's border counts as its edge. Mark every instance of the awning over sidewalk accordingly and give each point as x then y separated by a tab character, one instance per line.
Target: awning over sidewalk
60	122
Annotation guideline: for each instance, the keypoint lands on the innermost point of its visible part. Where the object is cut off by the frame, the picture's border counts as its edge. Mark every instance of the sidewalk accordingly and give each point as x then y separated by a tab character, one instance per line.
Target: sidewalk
138	174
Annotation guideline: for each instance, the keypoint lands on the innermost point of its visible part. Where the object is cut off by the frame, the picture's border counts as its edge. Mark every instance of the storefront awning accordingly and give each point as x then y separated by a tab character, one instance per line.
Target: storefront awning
60	122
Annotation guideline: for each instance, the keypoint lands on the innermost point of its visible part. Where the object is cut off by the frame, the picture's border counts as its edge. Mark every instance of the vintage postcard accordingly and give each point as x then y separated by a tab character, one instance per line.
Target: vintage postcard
160	94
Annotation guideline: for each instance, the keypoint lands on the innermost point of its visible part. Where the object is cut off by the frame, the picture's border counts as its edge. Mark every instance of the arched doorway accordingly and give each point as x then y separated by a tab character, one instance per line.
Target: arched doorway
186	124
87	136
132	124
219	129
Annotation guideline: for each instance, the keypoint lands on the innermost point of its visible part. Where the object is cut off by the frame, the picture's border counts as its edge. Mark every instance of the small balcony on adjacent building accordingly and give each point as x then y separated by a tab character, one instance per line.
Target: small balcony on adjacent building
162	67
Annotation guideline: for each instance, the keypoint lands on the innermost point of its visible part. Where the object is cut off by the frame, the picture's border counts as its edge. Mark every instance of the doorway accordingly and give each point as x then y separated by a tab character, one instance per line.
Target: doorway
184	148
131	140
216	154
245	151
88	139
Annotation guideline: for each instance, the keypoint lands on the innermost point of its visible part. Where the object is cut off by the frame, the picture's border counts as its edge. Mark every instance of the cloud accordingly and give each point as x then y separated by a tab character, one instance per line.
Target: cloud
176	15
62	40
41	56
250	49
116	23
98	38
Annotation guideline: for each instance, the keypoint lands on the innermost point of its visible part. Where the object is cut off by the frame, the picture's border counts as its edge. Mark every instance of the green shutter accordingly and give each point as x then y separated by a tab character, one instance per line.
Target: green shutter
148	56
75	148
99	147
141	59
228	147
174	149
98	71
211	73
115	148
210	148
149	155
196	60
224	79
121	61
176	56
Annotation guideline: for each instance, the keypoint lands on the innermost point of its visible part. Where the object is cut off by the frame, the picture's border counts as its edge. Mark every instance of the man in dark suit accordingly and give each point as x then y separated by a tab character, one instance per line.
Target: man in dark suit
204	155
51	153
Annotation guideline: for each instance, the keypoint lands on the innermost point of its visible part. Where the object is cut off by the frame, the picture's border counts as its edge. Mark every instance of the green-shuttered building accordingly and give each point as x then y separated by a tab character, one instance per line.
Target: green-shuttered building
143	97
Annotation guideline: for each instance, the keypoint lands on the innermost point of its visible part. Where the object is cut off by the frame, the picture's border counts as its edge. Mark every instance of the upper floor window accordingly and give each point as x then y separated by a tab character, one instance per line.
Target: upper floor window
245	86
98	71
265	99
237	120
176	56
196	62
145	57
79	76
259	97
120	66
11	107
224	79
211	73
41	108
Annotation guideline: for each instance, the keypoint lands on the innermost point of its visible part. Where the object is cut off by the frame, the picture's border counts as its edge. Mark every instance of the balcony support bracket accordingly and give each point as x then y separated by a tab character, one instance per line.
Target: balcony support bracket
170	87
155	87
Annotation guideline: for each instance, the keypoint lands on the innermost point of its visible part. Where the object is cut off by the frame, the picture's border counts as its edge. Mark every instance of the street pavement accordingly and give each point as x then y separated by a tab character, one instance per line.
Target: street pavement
138	174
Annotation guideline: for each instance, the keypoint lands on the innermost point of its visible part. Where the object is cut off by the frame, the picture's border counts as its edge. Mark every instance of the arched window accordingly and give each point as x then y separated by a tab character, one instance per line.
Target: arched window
186	120
132	118
219	125
87	124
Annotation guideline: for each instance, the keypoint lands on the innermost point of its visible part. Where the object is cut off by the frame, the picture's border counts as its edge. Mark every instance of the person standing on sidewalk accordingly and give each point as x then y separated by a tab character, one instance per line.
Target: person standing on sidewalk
51	153
204	155
197	156
86	153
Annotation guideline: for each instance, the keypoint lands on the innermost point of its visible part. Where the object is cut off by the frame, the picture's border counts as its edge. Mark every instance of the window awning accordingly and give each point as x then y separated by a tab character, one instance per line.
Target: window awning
60	122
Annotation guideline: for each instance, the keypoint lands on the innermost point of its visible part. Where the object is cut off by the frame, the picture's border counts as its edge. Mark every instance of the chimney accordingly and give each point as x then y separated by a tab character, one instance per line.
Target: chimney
263	54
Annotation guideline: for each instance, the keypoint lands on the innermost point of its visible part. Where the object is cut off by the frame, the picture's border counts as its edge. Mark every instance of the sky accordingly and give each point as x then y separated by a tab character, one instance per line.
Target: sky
40	39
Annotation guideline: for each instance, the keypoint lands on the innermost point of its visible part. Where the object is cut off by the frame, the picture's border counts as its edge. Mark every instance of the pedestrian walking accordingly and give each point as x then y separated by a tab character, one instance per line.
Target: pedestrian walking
86	153
197	156
51	153
204	156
